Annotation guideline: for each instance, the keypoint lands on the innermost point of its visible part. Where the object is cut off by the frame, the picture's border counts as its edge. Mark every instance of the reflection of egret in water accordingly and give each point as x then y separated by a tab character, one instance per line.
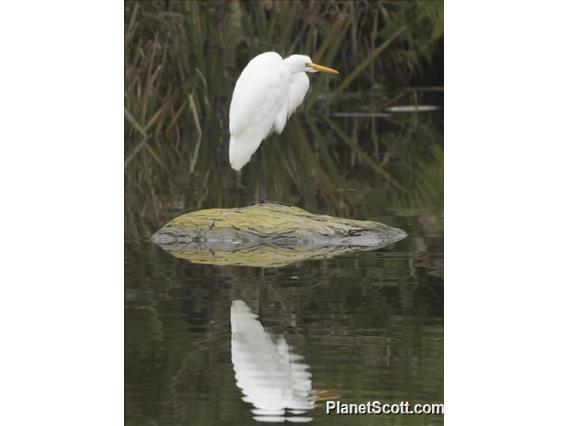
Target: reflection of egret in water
270	375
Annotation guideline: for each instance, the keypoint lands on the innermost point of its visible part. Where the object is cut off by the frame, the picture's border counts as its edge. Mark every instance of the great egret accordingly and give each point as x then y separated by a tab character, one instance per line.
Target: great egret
267	92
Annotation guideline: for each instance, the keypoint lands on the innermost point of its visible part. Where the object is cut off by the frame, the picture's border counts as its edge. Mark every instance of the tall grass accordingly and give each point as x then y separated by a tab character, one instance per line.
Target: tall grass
181	62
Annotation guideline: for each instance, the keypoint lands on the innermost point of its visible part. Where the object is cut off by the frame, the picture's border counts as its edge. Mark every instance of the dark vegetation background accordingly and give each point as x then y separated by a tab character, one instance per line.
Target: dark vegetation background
348	151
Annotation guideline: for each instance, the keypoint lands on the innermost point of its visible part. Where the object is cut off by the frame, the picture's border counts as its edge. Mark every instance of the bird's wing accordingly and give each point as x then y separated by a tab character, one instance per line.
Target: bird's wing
259	94
297	89
299	86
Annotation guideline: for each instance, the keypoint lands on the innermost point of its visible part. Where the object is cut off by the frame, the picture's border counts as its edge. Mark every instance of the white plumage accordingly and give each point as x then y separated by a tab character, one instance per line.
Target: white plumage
267	92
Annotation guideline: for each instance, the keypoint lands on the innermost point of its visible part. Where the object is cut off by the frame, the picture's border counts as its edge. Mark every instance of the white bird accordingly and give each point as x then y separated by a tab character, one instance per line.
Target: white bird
267	92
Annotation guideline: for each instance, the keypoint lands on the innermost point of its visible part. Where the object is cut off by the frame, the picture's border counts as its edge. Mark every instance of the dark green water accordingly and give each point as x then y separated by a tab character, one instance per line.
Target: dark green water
368	326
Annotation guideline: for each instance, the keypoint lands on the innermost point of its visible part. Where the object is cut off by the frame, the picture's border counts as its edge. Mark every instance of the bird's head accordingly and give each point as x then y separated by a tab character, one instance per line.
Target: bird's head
303	63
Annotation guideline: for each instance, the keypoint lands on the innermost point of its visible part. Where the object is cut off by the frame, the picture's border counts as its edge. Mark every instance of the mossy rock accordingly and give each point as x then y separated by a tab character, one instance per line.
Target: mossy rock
268	235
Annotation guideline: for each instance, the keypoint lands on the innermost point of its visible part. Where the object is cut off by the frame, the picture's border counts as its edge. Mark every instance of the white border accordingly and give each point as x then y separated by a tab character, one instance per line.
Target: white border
506	212
61	171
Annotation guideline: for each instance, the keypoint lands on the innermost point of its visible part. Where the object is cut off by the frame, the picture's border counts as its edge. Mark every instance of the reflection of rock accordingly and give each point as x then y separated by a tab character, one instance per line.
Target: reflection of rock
261	255
268	234
270	375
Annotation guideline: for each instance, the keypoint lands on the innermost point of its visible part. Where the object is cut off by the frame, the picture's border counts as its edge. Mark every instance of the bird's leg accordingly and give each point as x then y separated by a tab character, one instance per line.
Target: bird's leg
261	187
262	293
239	181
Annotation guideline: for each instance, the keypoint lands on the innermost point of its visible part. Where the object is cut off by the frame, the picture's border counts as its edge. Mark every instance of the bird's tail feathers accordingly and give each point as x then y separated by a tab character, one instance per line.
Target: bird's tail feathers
240	151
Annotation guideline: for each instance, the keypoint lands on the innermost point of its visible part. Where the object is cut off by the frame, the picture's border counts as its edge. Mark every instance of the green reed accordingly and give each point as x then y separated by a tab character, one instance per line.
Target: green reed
181	62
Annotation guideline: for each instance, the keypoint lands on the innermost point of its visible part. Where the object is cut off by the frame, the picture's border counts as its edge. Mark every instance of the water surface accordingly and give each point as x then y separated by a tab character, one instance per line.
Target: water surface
360	327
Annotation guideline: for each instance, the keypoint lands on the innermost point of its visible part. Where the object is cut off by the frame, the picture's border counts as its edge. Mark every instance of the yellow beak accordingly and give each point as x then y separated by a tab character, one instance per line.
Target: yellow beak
326	395
321	68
